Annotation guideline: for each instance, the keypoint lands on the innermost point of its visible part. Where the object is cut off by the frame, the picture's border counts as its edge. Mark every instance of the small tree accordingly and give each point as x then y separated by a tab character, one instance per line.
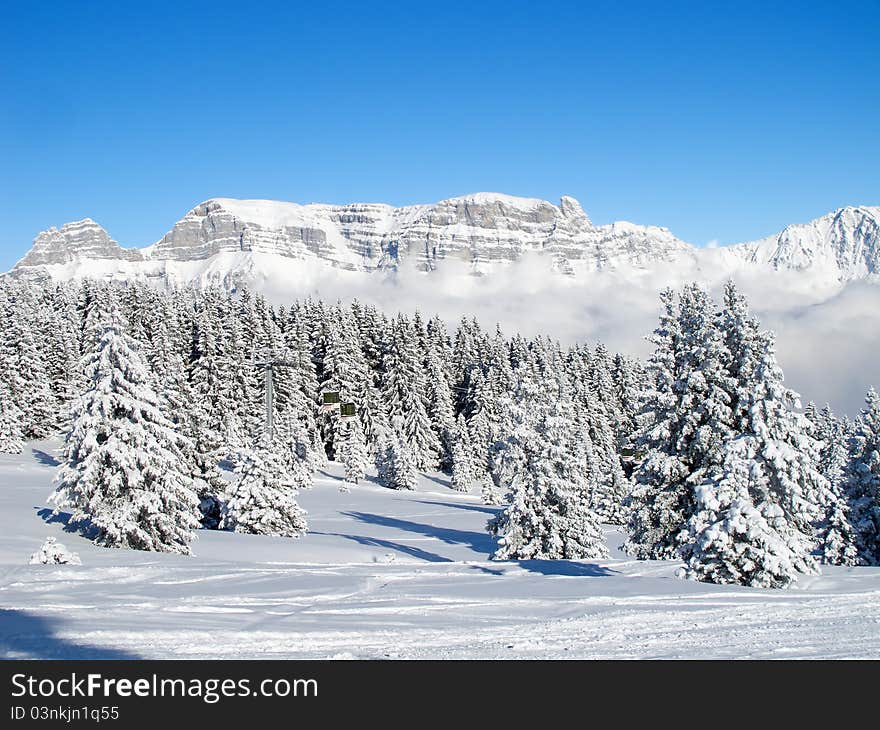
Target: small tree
396	465
354	453
263	499
490	492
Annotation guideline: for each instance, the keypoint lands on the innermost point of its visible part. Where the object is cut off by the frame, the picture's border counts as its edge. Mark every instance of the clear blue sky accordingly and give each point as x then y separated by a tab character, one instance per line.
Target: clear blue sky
721	121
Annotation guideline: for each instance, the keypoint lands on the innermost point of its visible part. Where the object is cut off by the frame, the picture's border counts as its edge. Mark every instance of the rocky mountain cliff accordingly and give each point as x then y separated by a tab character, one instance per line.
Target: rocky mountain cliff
228	242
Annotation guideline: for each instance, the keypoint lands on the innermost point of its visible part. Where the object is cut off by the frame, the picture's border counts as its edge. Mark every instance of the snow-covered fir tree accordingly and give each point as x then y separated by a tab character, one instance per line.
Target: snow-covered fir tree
406	398
123	476
354	452
11	437
490	492
863	481
463	475
755	513
835	536
395	465
263	499
686	421
549	516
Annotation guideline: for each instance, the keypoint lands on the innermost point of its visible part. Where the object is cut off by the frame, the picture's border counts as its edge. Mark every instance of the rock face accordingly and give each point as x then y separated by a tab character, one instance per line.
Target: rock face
229	242
81	240
480	229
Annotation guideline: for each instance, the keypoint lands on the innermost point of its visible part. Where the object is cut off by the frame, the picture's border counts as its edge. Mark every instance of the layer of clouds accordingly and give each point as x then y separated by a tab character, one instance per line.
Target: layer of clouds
828	336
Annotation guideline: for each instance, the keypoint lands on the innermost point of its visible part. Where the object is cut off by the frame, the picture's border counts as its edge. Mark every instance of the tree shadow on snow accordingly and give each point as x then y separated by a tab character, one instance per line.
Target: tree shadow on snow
570	568
44	458
389	545
50	517
476	541
485	509
437	480
26	636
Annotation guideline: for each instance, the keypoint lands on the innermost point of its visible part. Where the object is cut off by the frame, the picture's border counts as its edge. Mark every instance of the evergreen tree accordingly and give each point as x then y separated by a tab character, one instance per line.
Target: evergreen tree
263	499
863	481
490	493
769	471
549	515
736	542
24	370
123	476
463	475
405	397
395	465
835	537
354	453
686	422
440	406
11	438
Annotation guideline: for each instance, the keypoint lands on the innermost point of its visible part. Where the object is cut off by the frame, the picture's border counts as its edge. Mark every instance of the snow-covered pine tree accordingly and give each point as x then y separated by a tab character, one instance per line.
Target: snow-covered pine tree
354	452
404	393
629	388
24	370
754	515
599	457
263	499
11	437
124	476
549	515
731	540
686	422
395	465
490	492
204	425
463	476
835	536
344	372
863	481
440	406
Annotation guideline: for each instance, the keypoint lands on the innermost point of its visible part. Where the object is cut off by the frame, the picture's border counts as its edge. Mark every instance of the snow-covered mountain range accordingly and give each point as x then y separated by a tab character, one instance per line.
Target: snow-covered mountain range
229	242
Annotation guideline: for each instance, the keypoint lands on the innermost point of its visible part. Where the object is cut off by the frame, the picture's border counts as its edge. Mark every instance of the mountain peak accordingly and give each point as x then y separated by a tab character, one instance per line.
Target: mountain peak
571	208
74	241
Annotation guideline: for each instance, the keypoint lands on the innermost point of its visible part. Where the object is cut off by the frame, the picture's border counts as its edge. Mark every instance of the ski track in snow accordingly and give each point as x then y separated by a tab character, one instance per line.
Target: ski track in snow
385	574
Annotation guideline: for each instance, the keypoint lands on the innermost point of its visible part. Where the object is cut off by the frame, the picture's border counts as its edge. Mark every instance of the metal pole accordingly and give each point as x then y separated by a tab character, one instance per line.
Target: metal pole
270	425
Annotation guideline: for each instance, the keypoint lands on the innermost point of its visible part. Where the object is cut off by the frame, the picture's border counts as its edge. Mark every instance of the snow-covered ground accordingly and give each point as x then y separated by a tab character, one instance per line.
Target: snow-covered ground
385	574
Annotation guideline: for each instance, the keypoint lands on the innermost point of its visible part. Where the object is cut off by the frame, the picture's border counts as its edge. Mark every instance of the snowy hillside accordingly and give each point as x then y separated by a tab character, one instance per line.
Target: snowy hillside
390	574
229	242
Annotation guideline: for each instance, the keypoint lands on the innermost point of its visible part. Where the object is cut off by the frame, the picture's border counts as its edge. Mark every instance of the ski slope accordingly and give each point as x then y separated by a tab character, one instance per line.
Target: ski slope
385	574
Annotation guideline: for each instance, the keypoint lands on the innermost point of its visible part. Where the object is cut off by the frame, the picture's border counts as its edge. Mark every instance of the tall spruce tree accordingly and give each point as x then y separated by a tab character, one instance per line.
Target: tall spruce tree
123	475
755	513
685	424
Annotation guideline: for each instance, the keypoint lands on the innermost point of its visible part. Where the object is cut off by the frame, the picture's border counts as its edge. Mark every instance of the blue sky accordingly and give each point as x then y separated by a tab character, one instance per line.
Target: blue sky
721	121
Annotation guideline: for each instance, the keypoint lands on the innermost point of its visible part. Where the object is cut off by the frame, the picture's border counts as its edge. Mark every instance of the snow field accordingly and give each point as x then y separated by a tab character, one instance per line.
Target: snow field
391	574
